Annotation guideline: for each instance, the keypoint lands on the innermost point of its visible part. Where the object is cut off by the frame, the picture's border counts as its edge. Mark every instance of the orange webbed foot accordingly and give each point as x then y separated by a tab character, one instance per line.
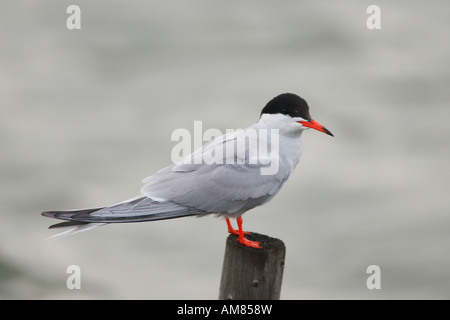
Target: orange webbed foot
240	233
248	243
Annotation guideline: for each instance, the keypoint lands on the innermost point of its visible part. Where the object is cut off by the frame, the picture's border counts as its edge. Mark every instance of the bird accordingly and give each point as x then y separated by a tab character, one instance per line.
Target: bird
241	177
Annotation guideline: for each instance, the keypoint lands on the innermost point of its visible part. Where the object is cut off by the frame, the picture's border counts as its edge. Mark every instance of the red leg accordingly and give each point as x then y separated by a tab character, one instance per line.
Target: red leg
232	230
242	239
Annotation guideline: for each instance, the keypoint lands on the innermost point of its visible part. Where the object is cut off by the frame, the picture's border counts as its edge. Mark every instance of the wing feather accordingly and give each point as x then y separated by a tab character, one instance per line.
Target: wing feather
228	187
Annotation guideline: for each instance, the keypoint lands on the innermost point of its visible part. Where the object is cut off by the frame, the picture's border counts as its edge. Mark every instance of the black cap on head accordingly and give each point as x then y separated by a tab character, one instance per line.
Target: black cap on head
289	104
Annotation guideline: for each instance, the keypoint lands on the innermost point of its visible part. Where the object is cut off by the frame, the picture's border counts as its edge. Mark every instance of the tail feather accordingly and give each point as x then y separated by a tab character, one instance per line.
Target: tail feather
67	215
79	227
67	224
136	210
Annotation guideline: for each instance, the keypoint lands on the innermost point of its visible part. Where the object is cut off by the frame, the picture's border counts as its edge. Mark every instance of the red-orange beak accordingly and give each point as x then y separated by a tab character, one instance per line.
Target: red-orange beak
315	125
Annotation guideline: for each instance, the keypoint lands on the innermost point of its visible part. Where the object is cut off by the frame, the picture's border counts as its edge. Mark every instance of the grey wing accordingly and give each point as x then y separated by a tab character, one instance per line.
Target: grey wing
136	210
230	188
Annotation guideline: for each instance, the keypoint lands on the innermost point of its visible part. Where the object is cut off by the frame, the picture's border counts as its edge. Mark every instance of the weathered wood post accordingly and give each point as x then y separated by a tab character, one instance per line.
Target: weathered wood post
252	274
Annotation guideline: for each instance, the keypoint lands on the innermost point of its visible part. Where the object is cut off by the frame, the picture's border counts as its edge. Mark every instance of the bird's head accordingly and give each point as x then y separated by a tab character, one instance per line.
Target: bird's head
291	111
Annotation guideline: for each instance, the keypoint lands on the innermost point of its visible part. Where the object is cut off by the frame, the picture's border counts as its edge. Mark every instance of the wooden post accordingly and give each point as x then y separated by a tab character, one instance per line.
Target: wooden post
252	274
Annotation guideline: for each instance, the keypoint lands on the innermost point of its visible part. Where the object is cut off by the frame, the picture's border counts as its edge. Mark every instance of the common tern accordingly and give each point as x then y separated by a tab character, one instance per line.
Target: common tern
228	176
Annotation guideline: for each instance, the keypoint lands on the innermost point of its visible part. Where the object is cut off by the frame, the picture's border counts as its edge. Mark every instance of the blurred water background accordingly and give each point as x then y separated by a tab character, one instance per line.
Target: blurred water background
87	114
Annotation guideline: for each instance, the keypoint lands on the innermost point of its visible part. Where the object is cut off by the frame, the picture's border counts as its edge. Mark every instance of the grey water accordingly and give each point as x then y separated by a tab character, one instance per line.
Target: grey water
87	114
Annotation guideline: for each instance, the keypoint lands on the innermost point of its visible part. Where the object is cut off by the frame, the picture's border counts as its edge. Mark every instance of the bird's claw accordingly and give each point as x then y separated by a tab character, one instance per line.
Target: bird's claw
249	243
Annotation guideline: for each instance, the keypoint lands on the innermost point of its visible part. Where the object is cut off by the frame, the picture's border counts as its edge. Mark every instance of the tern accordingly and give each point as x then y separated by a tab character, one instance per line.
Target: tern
229	186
